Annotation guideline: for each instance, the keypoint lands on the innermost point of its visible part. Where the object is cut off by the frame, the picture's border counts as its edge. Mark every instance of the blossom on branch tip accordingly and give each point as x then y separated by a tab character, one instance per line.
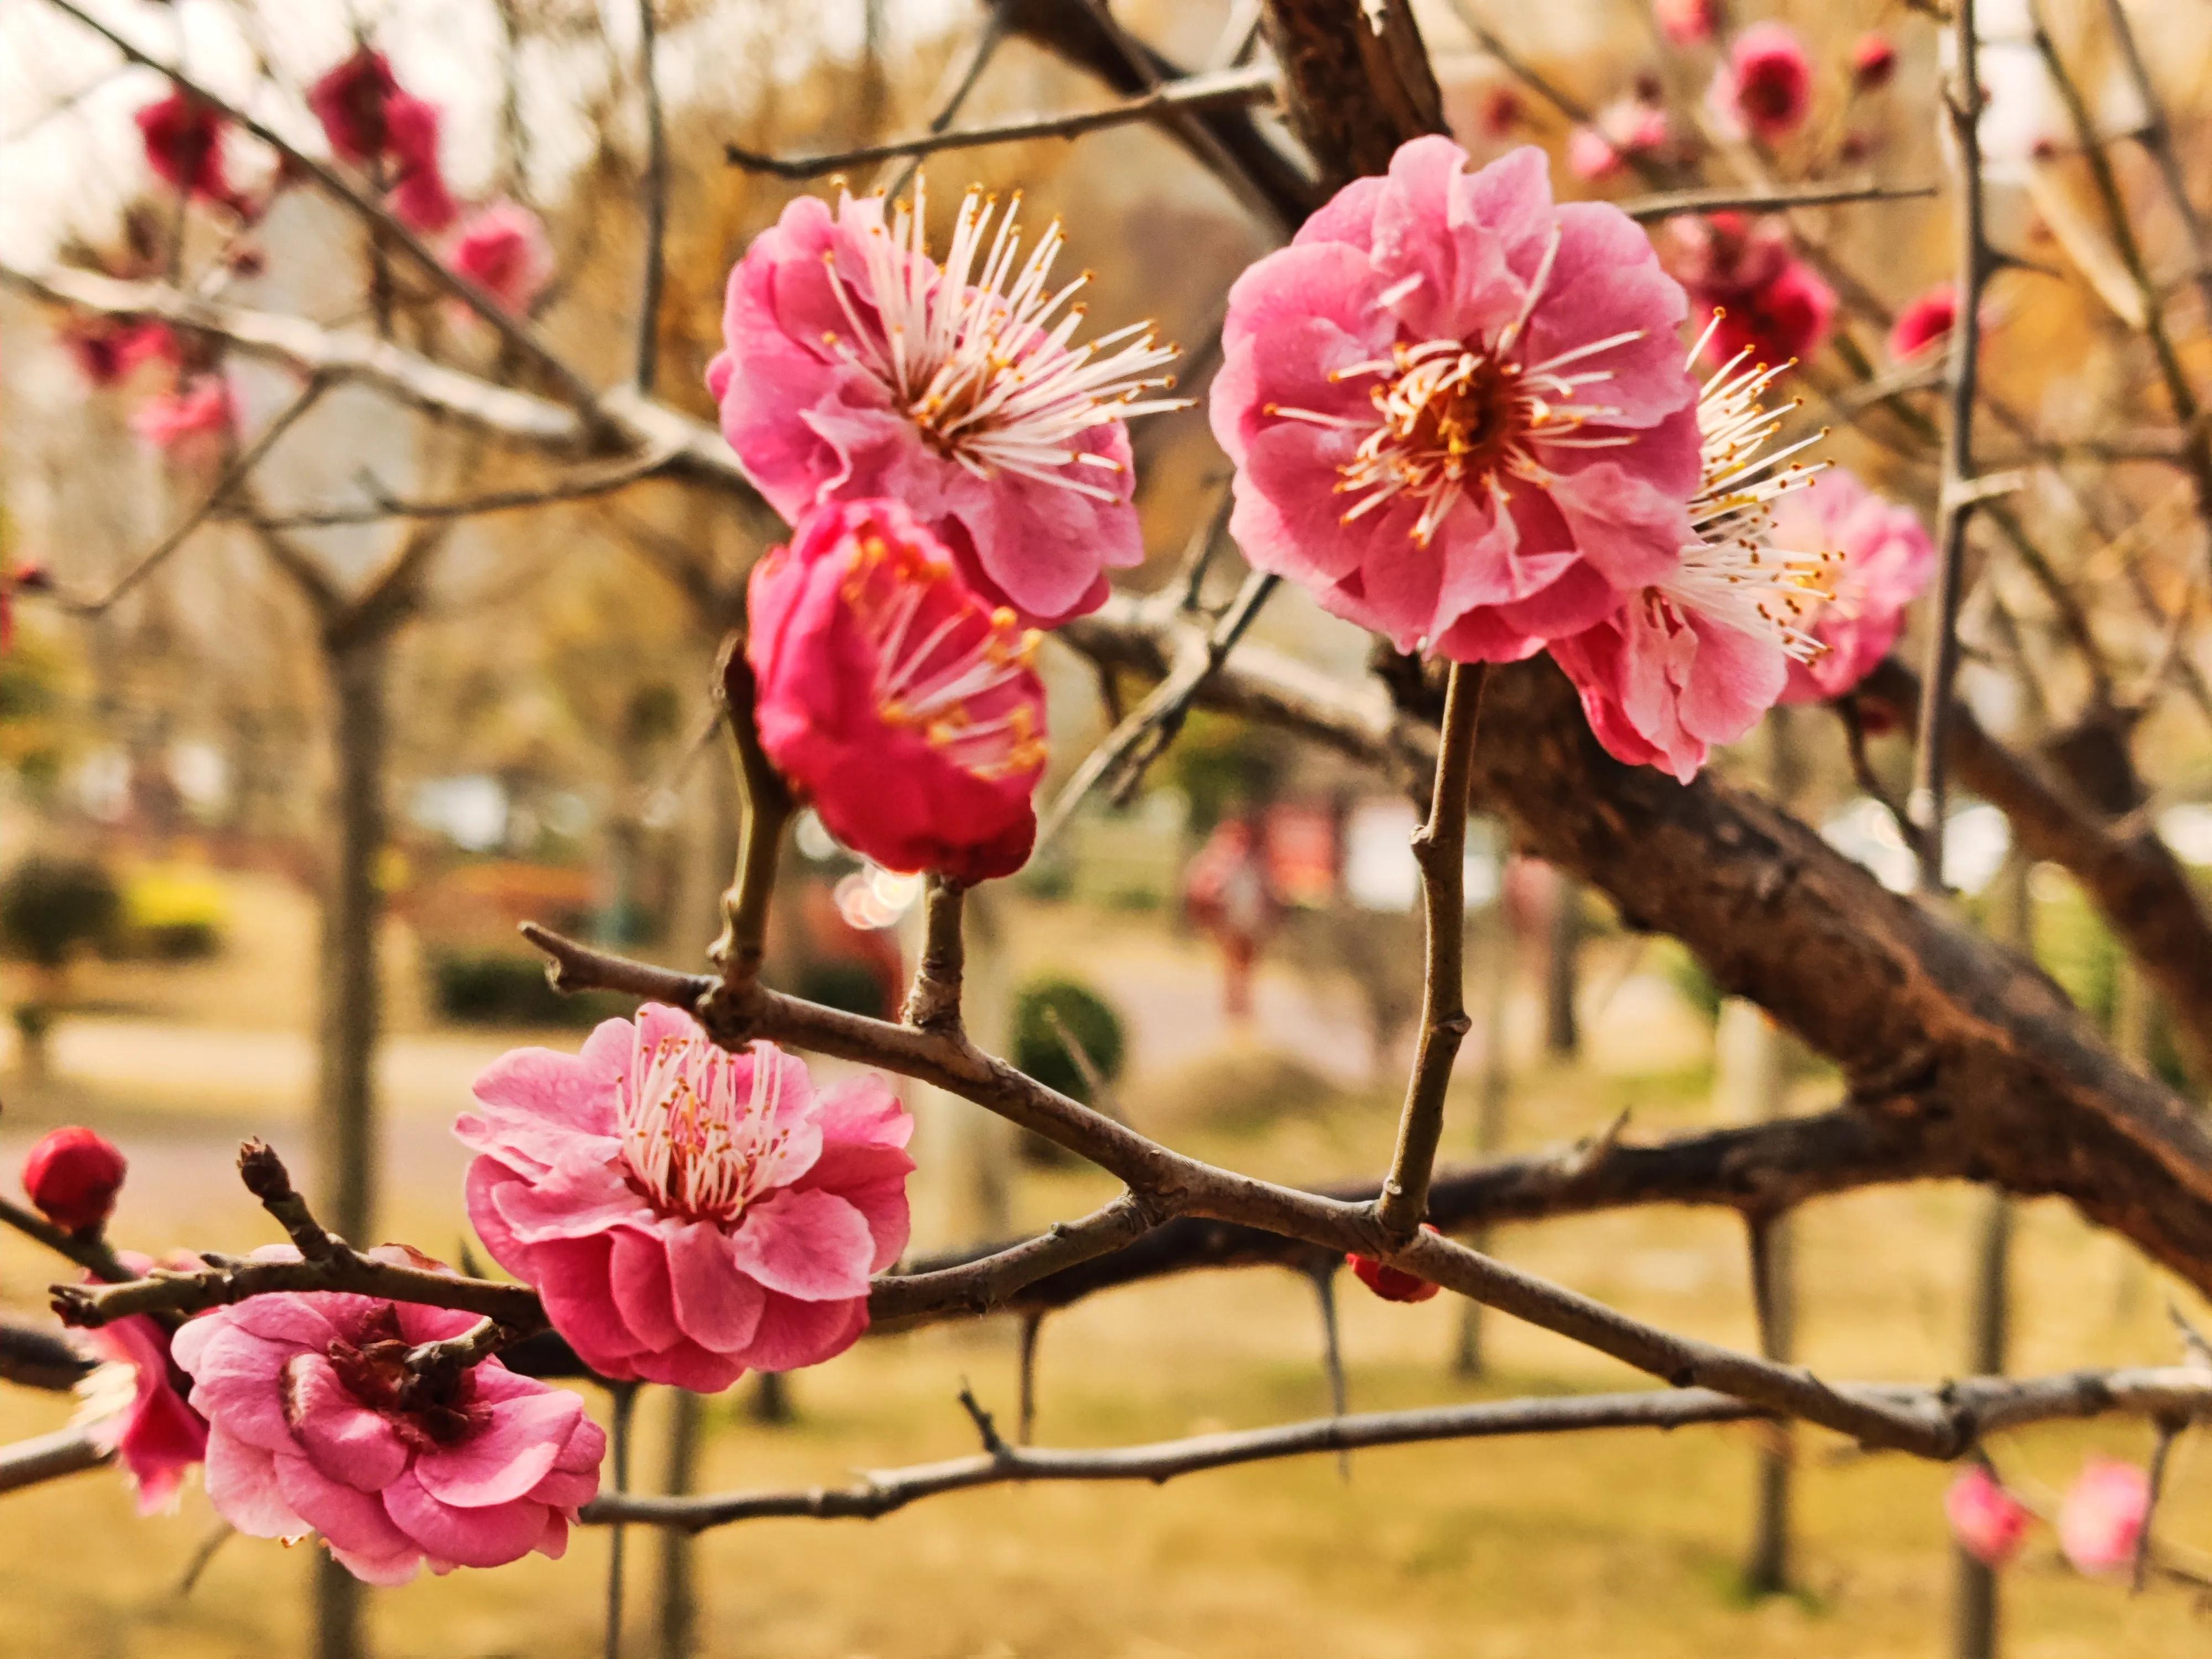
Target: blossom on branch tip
502	249
350	101
317	1423
1989	1522
1694	658
855	365
420	199
1626	128
1924	323
2102	1519
1458	410
72	1174
183	141
1883	558
132	1405
686	1212
902	705
1767	85
190	420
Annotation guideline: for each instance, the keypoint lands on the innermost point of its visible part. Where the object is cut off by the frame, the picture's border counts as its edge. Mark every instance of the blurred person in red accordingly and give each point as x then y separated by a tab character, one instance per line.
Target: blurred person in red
1228	892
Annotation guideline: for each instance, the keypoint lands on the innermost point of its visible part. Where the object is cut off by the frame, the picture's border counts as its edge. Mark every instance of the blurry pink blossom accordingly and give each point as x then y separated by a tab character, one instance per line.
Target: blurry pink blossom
855	366
109	349
1770	302
419	198
899	703
1694	659
1766	85
1458	409
2104	1515
1686	23
1988	1521
503	249
184	146
189	420
157	1437
688	1212
1625	128
1924	322
316	1423
1873	61
350	101
1885	559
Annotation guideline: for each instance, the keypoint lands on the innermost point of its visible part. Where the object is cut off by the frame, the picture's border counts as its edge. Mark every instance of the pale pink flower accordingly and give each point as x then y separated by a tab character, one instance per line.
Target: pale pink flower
1458	411
315	1423
1686	23
133	1406
1766	87
854	366
1768	302
503	249
900	704
686	1212
1925	323
1625	128
1989	1522
1883	558
190	421
1694	658
2104	1515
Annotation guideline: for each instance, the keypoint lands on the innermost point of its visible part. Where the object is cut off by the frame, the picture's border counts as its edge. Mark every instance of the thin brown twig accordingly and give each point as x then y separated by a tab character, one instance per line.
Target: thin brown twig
582	486
959	82
656	203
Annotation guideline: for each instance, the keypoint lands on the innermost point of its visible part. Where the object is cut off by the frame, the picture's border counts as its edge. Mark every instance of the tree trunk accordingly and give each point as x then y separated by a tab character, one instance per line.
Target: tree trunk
1563	1037
679	1590
345	1120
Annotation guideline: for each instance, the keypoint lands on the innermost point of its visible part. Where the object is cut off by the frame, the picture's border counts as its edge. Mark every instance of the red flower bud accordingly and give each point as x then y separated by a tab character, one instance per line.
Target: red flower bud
1873	60
73	1175
1392	1284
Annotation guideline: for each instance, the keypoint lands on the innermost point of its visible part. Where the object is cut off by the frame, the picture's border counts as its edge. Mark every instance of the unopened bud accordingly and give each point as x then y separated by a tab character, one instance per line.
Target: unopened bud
73	1175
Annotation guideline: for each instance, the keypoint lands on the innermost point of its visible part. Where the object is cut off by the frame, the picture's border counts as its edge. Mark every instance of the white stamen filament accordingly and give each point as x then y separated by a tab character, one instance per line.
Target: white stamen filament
692	1142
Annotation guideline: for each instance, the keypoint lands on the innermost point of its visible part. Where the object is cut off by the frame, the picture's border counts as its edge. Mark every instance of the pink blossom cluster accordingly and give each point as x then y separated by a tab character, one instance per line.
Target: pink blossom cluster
2101	1522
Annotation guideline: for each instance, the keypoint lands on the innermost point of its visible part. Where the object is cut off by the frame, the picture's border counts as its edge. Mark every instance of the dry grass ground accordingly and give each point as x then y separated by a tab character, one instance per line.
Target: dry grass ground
1622	1547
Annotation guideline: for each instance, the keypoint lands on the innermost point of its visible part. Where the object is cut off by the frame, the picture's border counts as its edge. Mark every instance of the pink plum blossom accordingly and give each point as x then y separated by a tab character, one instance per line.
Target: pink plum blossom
316	1423
1873	61
896	700
191	420
1768	302
1925	323
1458	411
1884	557
1989	1522
687	1212
854	366
1766	87
72	1174
419	198
183	138
1625	128
502	249
349	102
108	350
145	1421
2104	1515
1692	660
1686	23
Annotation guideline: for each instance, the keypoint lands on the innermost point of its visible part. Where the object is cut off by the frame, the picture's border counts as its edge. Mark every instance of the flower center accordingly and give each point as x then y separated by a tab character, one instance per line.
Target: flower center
976	351
695	1143
960	674
427	1411
1455	415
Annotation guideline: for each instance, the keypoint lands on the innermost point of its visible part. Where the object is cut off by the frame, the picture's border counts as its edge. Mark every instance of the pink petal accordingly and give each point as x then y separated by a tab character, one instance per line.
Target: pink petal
342	1438
478	1537
348	1519
808	1244
792	1333
507	1457
717	1305
241	1484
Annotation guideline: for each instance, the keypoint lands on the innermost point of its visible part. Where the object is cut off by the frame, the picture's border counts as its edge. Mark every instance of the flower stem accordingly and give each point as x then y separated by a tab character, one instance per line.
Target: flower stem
768	810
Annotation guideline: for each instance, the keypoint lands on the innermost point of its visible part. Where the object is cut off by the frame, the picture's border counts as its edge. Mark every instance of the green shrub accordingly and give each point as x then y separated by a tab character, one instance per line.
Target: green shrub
500	988
1089	1019
49	908
846	983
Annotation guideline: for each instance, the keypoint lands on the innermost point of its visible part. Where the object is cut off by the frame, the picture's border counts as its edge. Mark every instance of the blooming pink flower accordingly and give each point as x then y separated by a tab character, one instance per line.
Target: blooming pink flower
2104	1515
1988	1521
72	1174
145	1422
1457	411
855	367
419	198
1924	323
1770	303
1767	83
1693	658
1686	23
502	249
184	146
189	420
349	102
687	1212
1499	112
1873	61
1884	558
1626	127
315	1423
895	699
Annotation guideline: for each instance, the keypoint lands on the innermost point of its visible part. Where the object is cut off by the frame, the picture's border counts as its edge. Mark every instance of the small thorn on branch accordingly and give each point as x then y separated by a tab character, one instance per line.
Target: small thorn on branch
986	1427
